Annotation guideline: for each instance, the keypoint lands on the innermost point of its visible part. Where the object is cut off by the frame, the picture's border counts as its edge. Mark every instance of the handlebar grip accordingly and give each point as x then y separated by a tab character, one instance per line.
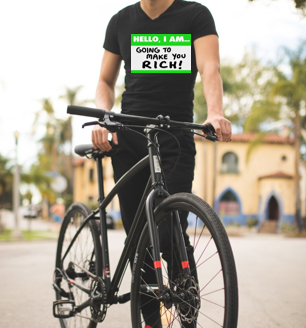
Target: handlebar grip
209	129
85	111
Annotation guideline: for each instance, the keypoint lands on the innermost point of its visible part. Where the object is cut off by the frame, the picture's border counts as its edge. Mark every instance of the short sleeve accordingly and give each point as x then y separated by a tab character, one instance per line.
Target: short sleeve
202	22
111	39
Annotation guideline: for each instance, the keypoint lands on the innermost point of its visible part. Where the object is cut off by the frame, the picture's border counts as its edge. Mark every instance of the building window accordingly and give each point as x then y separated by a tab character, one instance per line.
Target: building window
229	163
228	204
91	175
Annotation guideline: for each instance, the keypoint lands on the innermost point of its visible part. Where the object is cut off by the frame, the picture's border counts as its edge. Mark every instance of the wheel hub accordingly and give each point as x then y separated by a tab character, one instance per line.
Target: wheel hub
186	298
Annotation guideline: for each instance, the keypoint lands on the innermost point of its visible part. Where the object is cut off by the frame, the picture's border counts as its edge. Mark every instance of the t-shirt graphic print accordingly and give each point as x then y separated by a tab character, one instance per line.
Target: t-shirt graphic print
161	53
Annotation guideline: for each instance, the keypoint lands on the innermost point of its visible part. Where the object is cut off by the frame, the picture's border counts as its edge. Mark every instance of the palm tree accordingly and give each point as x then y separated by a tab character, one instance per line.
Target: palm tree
286	97
71	97
50	141
37	176
6	182
293	90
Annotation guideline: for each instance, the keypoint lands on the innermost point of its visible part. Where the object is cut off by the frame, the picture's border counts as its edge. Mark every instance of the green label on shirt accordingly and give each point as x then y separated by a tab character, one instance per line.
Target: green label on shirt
160	53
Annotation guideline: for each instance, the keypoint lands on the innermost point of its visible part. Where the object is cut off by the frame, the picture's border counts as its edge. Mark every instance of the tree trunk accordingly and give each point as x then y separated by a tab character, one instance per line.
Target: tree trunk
297	146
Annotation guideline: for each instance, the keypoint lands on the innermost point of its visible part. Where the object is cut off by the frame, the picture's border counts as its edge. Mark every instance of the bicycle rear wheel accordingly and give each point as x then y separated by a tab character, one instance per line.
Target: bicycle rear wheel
208	296
85	252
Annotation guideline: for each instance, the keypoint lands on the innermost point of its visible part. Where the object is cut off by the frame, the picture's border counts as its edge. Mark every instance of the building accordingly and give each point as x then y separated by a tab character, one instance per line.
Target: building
239	187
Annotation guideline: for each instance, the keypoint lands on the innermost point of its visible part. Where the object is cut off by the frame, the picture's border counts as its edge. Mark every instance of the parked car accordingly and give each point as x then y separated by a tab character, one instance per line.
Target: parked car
110	222
30	212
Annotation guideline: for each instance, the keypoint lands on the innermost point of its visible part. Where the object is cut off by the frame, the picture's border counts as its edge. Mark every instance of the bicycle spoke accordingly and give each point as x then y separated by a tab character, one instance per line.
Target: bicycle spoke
211	280
205	261
166	277
82	253
218	290
199	237
204	249
204	299
199	311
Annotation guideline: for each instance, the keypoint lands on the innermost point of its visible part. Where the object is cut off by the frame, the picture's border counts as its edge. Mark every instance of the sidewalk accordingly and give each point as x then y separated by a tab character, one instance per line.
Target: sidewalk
8	220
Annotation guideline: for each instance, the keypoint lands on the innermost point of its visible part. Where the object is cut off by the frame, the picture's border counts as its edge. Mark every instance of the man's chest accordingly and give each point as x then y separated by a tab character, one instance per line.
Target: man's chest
150	36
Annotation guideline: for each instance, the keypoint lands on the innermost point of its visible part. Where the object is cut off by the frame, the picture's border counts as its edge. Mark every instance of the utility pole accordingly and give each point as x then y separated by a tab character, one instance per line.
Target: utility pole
16	199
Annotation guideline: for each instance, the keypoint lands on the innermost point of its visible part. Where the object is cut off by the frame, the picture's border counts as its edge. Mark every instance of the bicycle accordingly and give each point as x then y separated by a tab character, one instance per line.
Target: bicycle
193	283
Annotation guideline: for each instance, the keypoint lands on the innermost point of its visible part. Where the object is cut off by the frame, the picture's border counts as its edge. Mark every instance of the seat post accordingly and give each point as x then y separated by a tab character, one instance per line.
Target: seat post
98	160
105	255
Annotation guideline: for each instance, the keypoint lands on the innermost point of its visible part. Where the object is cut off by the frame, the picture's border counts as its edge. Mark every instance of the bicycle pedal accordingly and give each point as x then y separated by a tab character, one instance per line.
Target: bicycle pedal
63	309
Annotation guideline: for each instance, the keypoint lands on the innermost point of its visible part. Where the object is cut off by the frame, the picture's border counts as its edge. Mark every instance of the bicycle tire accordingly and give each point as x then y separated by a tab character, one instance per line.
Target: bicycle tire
216	303
86	252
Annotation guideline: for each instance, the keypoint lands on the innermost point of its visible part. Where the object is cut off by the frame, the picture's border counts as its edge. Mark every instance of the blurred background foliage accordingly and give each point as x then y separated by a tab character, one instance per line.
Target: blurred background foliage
299	4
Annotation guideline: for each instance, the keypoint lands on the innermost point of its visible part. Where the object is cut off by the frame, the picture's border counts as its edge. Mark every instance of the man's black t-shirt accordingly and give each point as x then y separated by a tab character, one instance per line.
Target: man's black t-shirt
156	92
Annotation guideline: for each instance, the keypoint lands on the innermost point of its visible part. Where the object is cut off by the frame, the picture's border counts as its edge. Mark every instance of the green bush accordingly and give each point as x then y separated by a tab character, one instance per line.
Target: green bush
233	224
288	228
252	222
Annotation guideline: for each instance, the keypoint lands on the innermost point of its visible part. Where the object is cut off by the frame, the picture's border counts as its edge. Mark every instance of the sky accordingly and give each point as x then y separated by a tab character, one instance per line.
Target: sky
46	46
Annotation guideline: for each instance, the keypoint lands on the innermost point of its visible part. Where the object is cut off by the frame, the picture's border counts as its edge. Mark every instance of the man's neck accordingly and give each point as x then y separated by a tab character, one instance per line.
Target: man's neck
154	8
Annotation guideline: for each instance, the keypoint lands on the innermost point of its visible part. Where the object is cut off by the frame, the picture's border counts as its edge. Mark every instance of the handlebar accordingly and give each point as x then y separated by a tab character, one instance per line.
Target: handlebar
160	121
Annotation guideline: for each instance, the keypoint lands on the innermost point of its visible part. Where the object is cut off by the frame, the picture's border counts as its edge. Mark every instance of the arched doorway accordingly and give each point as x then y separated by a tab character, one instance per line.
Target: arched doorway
273	209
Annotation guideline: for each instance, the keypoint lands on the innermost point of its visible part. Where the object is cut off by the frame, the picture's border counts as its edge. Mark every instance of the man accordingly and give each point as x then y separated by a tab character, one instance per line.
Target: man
152	89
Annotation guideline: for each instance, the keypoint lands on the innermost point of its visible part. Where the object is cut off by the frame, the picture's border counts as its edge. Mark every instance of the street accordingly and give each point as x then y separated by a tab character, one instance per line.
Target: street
271	276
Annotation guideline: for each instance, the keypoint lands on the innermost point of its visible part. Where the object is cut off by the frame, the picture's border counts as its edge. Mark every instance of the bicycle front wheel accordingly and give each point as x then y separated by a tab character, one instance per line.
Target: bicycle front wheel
205	297
85	253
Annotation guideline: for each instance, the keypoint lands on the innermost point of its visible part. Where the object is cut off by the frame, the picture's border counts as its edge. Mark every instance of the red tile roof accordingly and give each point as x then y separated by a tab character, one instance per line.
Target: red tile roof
280	175
248	137
269	138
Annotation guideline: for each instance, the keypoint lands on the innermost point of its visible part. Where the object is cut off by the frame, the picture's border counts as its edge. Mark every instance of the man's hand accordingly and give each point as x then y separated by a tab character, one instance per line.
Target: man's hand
99	138
222	127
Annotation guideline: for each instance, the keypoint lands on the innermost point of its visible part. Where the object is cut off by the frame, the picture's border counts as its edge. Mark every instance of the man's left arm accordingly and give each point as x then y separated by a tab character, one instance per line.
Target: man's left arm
208	64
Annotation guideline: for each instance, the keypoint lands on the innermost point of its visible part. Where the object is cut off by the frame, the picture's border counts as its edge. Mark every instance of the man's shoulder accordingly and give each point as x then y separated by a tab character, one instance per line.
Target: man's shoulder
128	9
191	5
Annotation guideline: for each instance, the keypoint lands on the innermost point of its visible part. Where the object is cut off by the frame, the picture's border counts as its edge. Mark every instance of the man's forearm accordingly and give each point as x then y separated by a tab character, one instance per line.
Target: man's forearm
213	90
105	96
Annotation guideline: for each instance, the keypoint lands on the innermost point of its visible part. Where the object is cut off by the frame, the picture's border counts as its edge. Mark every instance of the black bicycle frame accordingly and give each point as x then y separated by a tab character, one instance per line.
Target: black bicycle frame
153	191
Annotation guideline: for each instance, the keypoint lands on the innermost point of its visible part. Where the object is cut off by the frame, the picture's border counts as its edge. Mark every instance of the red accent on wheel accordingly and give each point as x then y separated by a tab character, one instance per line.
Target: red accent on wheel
185	264
147	326
157	264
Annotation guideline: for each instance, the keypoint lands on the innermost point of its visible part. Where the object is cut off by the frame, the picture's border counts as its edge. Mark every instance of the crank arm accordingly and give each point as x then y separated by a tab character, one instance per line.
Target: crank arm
82	316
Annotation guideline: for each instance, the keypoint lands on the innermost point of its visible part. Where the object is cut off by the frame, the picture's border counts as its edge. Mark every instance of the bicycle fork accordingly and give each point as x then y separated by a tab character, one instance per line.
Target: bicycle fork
158	192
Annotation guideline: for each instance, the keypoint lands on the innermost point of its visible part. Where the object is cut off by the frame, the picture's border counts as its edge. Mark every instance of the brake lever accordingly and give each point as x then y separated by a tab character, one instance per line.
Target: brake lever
211	133
109	125
212	138
90	123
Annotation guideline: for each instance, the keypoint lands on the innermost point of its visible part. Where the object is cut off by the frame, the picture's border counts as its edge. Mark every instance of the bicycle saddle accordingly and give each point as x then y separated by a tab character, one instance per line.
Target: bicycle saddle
84	150
89	149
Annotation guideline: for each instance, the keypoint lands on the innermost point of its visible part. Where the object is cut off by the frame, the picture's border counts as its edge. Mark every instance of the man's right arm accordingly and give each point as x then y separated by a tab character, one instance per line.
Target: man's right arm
105	97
